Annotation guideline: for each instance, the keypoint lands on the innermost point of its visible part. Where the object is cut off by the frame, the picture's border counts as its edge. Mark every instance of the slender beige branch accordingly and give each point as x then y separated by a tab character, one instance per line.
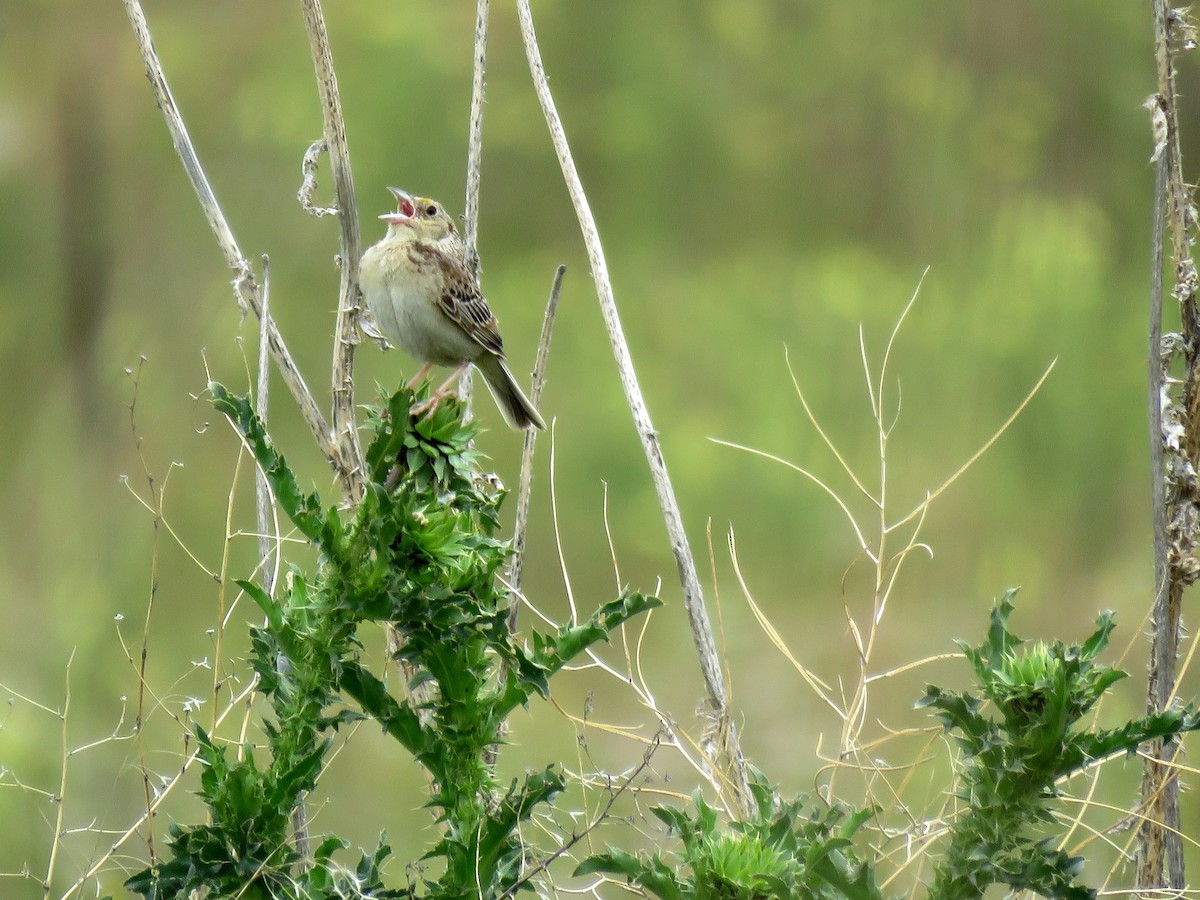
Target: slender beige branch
262	393
525	480
475	140
466	384
346	333
266	534
245	287
693	595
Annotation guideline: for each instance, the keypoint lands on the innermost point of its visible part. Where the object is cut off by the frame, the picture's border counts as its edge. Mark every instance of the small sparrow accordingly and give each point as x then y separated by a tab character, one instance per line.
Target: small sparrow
423	299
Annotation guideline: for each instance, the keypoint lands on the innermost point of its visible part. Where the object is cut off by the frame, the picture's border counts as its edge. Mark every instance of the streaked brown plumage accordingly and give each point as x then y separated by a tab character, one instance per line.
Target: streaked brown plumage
424	300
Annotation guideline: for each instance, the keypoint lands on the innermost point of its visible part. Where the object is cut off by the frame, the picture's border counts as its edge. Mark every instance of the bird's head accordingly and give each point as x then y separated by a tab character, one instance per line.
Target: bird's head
427	218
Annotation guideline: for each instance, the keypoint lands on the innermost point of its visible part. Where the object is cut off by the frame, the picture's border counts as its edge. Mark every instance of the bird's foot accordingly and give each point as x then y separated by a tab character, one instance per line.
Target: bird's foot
426	408
447	388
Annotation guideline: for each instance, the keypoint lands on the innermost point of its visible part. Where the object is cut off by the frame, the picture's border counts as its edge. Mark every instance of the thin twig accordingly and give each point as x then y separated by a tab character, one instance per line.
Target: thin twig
525	480
161	795
245	287
266	533
60	798
516	565
155	494
693	595
346	333
591	826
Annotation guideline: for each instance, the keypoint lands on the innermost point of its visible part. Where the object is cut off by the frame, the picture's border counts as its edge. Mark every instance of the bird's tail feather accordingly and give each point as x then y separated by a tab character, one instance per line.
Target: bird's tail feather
518	412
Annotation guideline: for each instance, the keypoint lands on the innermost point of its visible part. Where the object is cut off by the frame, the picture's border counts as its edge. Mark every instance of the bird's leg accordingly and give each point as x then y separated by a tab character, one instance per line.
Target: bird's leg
457	374
428	406
416	379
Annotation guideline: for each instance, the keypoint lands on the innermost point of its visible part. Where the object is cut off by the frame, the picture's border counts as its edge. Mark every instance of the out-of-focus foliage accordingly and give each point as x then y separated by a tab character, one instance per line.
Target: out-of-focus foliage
764	176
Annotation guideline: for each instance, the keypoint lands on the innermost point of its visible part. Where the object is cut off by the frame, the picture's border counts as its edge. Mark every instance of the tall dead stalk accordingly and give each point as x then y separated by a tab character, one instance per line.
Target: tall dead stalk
724	745
1175	451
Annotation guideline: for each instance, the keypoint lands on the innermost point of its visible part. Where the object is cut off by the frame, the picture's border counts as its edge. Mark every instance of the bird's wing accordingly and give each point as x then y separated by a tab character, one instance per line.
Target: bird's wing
464	304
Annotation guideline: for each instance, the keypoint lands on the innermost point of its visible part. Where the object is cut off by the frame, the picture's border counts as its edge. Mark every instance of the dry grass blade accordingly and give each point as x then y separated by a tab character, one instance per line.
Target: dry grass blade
821	431
859	538
819	687
919	510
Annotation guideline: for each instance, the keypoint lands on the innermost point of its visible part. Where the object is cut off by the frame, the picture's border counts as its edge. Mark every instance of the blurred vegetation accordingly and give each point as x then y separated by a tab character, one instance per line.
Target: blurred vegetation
764	176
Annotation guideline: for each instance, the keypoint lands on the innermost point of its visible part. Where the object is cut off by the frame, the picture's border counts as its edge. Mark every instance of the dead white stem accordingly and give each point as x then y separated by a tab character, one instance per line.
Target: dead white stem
267	540
346	334
245	287
262	493
466	384
693	595
475	140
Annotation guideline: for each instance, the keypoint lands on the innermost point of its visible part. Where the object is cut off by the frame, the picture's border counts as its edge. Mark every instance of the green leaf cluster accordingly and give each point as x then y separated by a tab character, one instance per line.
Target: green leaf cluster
788	849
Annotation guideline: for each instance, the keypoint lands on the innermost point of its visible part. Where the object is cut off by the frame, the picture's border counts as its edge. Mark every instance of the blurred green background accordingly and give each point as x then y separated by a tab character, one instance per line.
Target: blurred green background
764	176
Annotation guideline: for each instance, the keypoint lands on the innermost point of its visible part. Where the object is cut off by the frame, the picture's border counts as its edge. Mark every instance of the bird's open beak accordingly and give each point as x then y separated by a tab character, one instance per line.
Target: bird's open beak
404	201
405	209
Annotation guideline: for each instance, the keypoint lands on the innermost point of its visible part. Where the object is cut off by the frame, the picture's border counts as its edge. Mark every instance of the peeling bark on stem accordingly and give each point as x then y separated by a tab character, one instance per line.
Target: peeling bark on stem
1173	460
346	332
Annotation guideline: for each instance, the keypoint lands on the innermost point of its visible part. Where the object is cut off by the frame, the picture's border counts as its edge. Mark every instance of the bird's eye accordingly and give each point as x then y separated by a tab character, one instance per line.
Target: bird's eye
431	210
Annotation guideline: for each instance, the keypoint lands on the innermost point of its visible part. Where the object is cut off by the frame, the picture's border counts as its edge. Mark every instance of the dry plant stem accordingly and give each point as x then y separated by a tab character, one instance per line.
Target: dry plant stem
474	169
693	596
1151	839
475	140
601	816
263	520
245	288
262	494
156	495
1160	856
308	181
525	480
60	801
346	334
165	790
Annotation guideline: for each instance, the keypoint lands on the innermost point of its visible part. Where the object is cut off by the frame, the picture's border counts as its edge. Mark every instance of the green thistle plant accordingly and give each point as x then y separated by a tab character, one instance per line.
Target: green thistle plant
789	849
421	555
1012	764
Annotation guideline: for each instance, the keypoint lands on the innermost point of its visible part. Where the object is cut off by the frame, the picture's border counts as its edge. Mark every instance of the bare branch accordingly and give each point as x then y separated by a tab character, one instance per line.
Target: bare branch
693	595
475	140
525	481
245	287
346	335
1160	849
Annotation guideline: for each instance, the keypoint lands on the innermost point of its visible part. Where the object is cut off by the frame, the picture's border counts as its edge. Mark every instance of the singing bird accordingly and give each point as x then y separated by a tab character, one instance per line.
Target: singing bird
424	300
